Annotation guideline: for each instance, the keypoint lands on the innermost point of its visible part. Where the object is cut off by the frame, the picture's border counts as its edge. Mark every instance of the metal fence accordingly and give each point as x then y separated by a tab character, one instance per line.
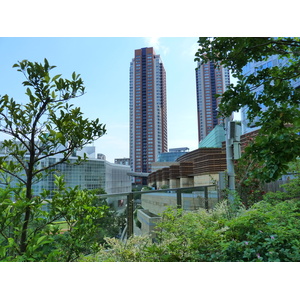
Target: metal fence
206	197
275	186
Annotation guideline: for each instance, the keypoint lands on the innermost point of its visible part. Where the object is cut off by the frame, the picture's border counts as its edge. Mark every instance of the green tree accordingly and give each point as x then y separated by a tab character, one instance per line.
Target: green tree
46	125
278	142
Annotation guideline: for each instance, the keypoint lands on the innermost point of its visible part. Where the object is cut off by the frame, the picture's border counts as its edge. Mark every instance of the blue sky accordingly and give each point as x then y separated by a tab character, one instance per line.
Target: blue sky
103	63
103	57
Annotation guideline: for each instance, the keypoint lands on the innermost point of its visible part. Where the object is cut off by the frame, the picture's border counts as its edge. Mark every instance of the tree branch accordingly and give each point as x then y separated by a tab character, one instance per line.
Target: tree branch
64	159
12	133
12	174
44	225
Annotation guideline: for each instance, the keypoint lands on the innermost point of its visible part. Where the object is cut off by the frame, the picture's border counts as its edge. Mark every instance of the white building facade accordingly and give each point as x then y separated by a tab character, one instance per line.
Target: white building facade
91	174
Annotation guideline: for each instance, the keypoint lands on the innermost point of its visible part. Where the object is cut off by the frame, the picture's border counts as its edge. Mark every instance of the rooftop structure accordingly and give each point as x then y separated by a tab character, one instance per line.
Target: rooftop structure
215	138
122	161
172	155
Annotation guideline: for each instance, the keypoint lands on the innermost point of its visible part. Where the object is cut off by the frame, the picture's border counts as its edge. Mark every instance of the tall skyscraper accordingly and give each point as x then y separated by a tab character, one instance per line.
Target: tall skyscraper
210	80
148	110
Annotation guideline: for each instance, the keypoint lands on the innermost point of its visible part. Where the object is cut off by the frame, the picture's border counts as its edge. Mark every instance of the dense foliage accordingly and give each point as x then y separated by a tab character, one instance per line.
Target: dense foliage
269	231
275	108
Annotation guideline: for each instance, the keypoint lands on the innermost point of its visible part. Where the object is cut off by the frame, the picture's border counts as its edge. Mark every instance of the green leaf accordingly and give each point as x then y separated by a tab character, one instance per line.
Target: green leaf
47	78
39	241
46	64
28	92
11	242
56	77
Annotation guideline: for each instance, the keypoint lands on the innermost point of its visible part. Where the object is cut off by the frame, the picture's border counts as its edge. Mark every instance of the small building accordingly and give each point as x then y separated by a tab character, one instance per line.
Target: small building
101	156
122	161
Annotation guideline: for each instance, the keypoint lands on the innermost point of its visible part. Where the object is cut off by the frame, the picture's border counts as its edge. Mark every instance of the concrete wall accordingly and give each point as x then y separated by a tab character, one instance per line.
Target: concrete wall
154	204
174	183
202	180
157	203
148	221
186	182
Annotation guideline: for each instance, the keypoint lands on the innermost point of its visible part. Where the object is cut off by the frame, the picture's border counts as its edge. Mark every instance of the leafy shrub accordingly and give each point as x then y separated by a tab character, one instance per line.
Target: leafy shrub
133	250
181	236
46	242
188	236
266	232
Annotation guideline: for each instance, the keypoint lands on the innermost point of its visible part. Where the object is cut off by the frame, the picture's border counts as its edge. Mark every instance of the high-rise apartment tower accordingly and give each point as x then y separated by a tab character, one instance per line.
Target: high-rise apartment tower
211	79
148	110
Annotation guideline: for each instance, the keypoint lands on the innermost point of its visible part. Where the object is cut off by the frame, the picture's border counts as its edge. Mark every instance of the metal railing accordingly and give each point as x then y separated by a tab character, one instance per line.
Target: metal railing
179	191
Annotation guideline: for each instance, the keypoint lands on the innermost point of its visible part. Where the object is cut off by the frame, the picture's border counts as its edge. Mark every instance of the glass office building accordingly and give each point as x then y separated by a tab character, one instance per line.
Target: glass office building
91	174
252	68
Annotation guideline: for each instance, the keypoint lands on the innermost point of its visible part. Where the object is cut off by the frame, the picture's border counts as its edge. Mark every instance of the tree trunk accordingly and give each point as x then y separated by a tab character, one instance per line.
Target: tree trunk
23	242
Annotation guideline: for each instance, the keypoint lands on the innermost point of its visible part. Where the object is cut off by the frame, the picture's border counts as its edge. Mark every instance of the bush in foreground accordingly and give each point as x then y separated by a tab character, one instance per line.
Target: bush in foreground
265	232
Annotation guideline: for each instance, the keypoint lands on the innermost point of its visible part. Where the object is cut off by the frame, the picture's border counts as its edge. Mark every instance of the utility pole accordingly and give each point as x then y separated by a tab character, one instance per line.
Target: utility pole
229	160
233	133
